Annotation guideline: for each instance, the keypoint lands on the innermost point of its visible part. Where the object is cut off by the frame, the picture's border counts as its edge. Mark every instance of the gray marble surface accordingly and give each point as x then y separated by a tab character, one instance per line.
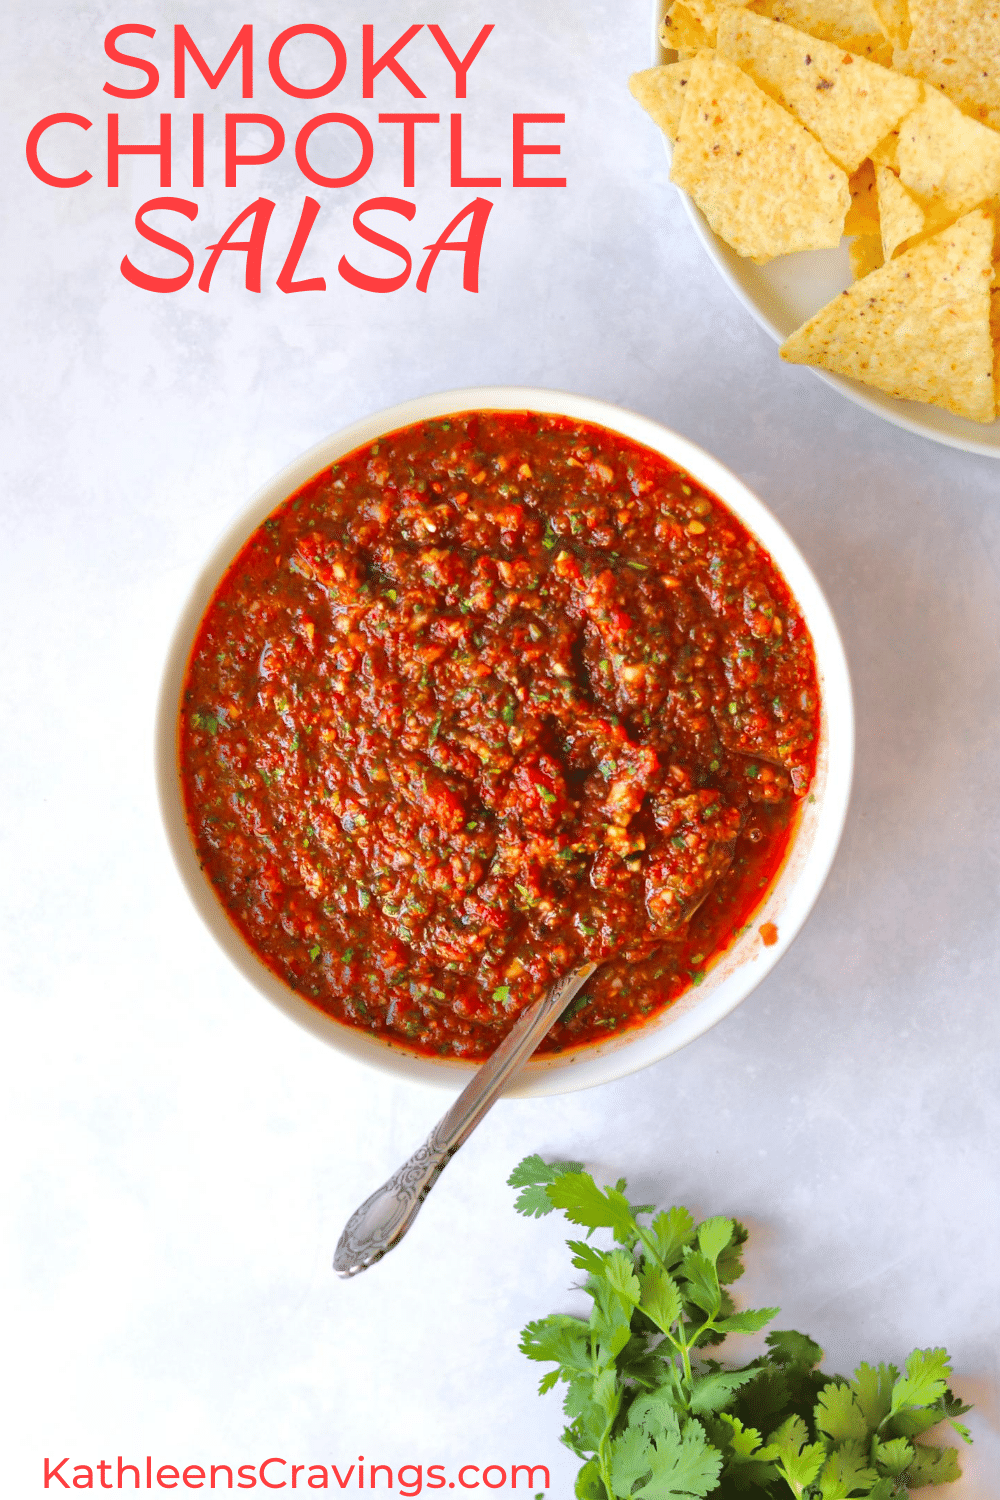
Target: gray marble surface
180	1157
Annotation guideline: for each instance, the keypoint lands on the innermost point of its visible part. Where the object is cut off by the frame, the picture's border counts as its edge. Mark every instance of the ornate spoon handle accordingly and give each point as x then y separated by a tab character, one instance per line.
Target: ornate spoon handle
380	1223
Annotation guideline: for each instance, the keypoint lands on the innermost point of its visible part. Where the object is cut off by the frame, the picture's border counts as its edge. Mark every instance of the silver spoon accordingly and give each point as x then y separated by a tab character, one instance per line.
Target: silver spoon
380	1223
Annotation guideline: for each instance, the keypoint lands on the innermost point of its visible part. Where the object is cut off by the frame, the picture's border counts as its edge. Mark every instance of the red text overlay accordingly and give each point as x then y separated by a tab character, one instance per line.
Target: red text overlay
171	63
283	1474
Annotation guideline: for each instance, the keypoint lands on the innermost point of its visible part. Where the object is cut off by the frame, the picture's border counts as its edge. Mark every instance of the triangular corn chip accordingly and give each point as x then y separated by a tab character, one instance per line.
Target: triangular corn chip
660	91
886	153
900	216
848	103
682	31
919	328
862	216
895	19
955	45
865	255
852	24
944	155
761	180
707	13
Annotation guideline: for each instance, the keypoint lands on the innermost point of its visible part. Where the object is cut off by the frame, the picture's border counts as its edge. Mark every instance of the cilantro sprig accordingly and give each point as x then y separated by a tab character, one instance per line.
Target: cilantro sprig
651	1416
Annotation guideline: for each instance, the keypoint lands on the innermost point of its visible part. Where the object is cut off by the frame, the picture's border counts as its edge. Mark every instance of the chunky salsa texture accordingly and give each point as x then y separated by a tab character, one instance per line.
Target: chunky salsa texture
496	693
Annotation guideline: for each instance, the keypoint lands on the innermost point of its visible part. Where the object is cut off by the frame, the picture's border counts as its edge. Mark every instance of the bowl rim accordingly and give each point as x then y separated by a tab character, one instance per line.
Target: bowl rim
794	890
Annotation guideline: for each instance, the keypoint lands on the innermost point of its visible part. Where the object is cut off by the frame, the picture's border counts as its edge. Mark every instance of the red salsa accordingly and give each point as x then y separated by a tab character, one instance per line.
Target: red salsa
496	693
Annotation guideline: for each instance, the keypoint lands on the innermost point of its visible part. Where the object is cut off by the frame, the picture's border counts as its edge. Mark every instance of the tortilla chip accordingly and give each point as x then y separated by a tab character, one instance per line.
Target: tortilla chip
707	12
761	180
849	104
995	328
887	151
944	155
900	216
865	255
682	32
919	328
862	216
894	18
660	91
955	45
851	24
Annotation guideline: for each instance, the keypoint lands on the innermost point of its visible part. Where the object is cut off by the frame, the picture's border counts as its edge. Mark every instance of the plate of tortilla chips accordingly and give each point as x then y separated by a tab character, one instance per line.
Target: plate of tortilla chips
840	159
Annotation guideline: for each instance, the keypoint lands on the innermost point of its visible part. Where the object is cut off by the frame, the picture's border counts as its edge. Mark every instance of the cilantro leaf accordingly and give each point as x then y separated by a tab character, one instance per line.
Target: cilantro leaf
660	1298
559	1338
606	1393
765	1398
746	1460
713	1237
610	1323
800	1461
873	1389
710	1393
533	1175
730	1262
787	1382
790	1348
620	1273
839	1415
932	1466
533	1169
689	1467
587	1257
534	1203
654	1412
701	1282
895	1456
665	1465
672	1231
751	1321
952	1407
589	1484
583	1202
587	1421
744	1442
925	1380
911	1422
631	1460
845	1471
642	1363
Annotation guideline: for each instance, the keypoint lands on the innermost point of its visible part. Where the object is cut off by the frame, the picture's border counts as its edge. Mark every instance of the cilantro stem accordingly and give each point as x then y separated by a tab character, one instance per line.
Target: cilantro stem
685	1356
603	1449
604	1458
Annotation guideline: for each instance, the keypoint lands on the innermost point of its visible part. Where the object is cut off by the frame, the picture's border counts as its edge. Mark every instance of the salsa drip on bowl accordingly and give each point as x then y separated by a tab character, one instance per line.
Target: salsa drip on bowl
495	694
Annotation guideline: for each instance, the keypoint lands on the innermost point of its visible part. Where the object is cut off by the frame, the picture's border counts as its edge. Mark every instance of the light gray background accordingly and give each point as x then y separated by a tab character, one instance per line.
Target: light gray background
182	1158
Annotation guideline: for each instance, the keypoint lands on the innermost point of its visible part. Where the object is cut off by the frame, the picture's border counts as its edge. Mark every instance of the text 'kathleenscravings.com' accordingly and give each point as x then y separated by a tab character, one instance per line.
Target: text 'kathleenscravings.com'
282	1474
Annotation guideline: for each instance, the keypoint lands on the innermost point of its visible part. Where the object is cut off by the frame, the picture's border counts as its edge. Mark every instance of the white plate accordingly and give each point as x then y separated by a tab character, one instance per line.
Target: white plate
787	291
790	898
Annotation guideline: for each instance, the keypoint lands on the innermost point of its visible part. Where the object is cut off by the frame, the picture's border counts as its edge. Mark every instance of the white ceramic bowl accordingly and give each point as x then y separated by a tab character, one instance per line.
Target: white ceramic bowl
812	849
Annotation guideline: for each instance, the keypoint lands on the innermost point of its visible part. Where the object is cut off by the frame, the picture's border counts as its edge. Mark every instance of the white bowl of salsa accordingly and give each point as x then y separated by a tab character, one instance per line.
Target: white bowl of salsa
485	684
